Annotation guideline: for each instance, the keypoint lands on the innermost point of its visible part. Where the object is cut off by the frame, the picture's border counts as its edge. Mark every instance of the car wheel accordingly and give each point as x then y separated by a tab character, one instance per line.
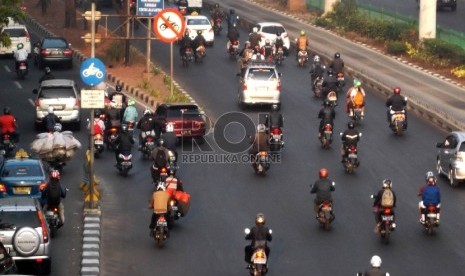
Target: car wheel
26	241
452	181
438	167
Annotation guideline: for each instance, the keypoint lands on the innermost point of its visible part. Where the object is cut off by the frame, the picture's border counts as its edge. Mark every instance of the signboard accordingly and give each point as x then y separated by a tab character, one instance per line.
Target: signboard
149	8
168	25
93	99
92	71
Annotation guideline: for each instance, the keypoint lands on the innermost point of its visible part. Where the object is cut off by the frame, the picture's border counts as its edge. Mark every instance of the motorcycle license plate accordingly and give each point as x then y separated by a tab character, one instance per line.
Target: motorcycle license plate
22	67
162	223
326	208
259	261
6	142
98	142
328	132
149	143
387	218
49	213
352	155
126	163
172	158
340	79
432	215
174	208
276	136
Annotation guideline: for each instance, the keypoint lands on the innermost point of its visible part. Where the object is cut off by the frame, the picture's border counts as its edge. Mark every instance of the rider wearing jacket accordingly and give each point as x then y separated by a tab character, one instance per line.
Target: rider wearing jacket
254	38
47	75
99	124
397	103
123	143
337	64
316	69
185	42
53	193
274	118
329	83
233	35
232	18
327	115
259	234
8	124
216	12
50	119
267	49
20	55
279	42
146	125
170	139
322	188
130	113
302	43
351	95
160	157
350	137
430	195
199	40
377	206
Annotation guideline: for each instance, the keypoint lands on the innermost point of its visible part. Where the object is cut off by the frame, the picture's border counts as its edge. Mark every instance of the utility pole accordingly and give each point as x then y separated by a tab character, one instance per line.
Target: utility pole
126	55
91	123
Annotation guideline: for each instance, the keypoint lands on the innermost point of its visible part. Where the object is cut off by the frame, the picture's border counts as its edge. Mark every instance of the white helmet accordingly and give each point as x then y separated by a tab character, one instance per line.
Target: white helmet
169	127
147	111
316	58
50	110
113	103
261	128
375	261
255	29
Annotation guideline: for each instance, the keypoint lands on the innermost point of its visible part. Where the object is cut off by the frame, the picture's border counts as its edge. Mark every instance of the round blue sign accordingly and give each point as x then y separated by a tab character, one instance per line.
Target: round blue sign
92	71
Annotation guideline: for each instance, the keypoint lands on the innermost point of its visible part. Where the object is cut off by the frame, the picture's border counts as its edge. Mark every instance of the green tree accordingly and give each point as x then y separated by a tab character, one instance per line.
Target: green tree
9	9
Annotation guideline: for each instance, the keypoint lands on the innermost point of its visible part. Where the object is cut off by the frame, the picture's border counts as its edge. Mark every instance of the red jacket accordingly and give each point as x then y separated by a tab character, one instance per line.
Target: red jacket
7	123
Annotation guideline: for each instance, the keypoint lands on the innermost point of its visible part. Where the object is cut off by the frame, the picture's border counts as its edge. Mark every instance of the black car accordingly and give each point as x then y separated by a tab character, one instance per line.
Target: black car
55	50
452	4
187	119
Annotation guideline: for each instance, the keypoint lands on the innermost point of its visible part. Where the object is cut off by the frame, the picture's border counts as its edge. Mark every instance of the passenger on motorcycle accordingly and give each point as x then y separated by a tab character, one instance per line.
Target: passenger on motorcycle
267	50
170	139
47	75
259	234
185	43
337	64
327	115
119	97
99	124
322	188
259	142
123	143
147	127
302	44
52	195
199	42
20	55
329	83
247	51
385	198
50	120
8	124
397	103
316	69
244	62
355	98
130	113
430	195
279	42
375	268
233	35
113	115
255	38
350	137
160	157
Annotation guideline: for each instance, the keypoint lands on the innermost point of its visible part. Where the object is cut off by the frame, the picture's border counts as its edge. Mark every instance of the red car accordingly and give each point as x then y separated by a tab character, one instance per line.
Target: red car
188	120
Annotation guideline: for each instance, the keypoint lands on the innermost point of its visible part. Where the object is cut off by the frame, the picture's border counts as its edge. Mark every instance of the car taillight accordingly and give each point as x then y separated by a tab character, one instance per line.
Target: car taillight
27	36
387	211
278	86
276	131
68	52
76	104
45	52
2	188
37	103
39	261
163	170
42	186
43	224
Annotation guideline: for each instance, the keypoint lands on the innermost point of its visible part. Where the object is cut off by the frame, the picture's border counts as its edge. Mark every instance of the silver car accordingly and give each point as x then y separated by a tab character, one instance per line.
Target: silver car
451	157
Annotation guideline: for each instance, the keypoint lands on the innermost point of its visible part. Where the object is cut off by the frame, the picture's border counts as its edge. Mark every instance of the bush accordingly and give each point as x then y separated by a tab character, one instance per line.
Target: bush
459	72
115	51
444	50
323	22
396	47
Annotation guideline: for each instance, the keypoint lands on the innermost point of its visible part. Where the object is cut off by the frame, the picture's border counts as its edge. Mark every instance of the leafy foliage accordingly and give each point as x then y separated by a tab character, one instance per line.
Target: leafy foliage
9	9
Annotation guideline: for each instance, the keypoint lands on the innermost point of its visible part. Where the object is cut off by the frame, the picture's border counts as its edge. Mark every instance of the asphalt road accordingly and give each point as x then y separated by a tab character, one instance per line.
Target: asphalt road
226	197
445	18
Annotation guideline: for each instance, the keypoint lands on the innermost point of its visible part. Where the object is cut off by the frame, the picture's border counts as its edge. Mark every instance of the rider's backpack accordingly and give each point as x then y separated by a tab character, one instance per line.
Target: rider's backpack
387	199
53	193
160	158
146	124
358	98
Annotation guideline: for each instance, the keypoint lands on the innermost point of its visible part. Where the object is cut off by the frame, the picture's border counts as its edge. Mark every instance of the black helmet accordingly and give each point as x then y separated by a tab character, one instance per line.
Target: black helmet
337	55
97	113
160	142
231	11
118	88
6	110
199	32
350	125
124	127
330	71
47	70
326	103
278	33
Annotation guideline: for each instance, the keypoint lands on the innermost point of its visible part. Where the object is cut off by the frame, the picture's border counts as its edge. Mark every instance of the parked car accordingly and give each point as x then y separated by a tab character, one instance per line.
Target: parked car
268	30
55	50
25	234
261	84
452	4
63	96
450	160
18	34
196	23
188	120
22	176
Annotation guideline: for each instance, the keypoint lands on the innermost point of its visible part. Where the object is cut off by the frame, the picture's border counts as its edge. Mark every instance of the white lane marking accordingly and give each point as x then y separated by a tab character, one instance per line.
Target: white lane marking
18	84
7	68
31	102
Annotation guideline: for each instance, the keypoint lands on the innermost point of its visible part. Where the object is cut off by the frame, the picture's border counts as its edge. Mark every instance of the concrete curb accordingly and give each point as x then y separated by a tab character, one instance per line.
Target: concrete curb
90	259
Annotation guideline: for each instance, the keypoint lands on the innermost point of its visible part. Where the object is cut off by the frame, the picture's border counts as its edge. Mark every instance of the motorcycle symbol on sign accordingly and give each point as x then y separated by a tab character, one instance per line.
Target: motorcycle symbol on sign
92	71
163	26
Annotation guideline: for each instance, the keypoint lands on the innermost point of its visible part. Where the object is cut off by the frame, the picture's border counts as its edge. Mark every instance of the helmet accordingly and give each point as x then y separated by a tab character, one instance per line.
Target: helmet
147	112
260	219
124	127
357	83
350	125
278	33
50	110
55	174
47	70
396	90
267	42
97	113
247	43
169	127
316	58
337	55
323	173
160	142
326	103
255	29
274	107
217	5
302	33
118	88
375	261
261	128
387	183
57	127
186	33
430	178
330	71
113	103
199	32
6	110
20	46
231	11
131	102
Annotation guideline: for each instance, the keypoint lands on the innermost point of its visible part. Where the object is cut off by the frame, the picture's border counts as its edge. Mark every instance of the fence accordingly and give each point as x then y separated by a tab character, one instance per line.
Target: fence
316	5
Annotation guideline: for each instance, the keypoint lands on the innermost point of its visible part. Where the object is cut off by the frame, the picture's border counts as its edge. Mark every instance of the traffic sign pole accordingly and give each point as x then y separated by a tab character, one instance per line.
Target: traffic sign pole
171	73
91	123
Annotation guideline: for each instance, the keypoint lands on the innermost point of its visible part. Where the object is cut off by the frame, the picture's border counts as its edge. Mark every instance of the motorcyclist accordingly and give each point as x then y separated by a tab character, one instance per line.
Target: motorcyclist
379	205
301	43
255	38
8	124
52	195
233	35
279	42
329	83
355	98
170	139
247	50
99	124
47	75
159	199
20	55
232	18
375	269
147	127
123	143
322	188
337	64
274	118
119	97
268	50
244	62
113	115
316	69
130	113
430	195
327	115
259	235
160	157
185	43
50	119
396	103
260	141
199	43
173	184
216	12
350	137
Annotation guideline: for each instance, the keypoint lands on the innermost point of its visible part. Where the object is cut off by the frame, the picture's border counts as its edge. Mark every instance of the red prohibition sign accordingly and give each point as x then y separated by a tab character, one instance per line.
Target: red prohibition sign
168	25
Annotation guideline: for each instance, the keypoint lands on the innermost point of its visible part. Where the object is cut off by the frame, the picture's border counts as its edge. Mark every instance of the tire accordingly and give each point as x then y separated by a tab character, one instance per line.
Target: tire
26	241
453	182
438	166
77	126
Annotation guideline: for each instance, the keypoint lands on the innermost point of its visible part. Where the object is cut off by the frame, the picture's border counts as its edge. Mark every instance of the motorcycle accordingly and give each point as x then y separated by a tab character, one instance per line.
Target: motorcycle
276	139
148	146
325	214
340	81
53	219
98	145
36	53
318	86
279	56
22	70
332	98
350	158
160	232
431	219
259	258
131	128
386	224
234	49
173	212
8	145
327	136
200	53
302	58
217	26
261	163
124	163
398	121
187	57
162	174
111	136
356	115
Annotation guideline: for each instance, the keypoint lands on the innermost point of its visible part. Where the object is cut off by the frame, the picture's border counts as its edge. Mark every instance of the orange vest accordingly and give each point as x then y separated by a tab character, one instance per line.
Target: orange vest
302	43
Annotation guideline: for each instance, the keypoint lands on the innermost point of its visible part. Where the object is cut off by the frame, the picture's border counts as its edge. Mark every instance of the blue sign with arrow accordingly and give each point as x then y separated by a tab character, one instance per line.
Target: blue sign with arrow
149	8
93	71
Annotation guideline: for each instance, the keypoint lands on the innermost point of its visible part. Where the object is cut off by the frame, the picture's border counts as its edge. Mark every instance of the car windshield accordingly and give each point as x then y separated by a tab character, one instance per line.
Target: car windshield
21	170
261	74
184	112
54	43
198	21
16	32
56	92
19	219
273	29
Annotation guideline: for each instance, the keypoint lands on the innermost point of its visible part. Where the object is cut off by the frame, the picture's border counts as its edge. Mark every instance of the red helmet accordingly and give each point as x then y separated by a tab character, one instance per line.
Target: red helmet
396	90
55	174
323	173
